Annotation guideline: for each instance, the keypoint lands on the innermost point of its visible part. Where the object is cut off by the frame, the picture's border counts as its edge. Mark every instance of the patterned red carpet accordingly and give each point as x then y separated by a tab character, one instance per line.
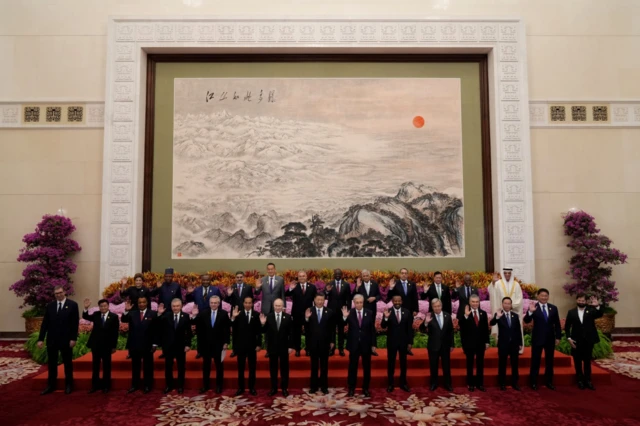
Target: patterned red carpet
615	404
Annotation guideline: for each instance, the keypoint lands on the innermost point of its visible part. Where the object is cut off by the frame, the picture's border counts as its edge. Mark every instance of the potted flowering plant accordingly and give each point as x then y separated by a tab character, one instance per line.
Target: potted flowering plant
588	266
47	252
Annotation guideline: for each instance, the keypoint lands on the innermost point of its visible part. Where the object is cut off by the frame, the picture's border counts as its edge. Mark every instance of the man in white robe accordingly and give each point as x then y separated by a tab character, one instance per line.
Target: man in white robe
505	287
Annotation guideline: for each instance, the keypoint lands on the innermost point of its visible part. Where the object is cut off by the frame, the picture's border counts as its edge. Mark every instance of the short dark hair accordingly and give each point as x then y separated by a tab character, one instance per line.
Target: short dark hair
319	294
543	290
101	301
240	272
507	298
138	275
271	263
58	287
437	273
247	297
579	295
404	269
396	295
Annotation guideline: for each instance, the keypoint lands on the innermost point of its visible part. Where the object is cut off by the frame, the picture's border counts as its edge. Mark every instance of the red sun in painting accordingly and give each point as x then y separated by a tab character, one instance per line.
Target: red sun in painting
418	121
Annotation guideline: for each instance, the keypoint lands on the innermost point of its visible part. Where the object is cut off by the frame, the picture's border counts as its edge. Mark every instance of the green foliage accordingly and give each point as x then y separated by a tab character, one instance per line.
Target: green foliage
602	349
527	340
610	310
382	342
80	349
420	340
33	313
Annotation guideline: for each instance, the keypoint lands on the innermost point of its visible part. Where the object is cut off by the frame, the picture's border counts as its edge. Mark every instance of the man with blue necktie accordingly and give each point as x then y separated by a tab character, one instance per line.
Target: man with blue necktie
103	342
174	336
545	336
200	296
509	344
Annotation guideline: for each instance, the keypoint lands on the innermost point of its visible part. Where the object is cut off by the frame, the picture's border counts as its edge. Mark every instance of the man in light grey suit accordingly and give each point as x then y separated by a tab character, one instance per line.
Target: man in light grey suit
272	288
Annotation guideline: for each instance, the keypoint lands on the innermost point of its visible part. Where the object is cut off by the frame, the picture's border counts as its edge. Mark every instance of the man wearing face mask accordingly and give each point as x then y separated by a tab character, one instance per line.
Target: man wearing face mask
399	324
581	332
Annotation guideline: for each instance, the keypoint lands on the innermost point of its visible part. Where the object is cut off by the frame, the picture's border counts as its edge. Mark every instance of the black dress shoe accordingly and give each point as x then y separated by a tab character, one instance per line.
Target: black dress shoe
550	386
68	390
471	388
239	392
374	353
92	390
180	390
409	352
47	390
198	356
105	390
297	354
351	392
405	388
449	388
433	387
325	390
253	392
313	390
219	389
503	388
390	389
285	393
132	390
481	389
580	385
233	355
516	388
366	393
341	352
167	389
272	392
534	387
590	386
146	390
204	390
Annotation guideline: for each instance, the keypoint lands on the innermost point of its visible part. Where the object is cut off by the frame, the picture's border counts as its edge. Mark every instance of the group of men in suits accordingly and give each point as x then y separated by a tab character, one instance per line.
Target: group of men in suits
321	316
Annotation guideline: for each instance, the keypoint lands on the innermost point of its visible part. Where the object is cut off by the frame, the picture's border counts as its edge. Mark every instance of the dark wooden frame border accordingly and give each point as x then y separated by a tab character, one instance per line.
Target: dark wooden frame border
153	59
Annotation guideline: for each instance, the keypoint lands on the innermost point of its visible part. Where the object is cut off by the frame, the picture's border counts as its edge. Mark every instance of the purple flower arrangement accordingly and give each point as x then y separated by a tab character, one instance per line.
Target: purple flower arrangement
592	251
47	251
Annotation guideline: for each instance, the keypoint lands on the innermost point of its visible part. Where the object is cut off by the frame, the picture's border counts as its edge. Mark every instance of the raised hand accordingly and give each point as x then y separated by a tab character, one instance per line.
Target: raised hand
392	284
263	319
258	281
235	312
387	313
190	289
87	303
496	278
345	311
161	309
195	311
499	314
123	282
328	287
307	313
594	301
159	284
425	287
292	285
467	310
127	305
458	283
358	282
230	291
533	307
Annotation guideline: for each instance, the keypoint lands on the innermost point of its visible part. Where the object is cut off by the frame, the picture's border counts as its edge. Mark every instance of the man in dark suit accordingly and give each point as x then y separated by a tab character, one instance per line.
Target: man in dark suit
60	327
440	345
371	292
407	290
302	294
136	291
439	291
140	342
581	332
103	342
320	339
167	290
278	326
271	287
509	343
175	338
474	330
247	339
465	291
338	294
399	325
213	334
545	336
236	294
361	337
200	297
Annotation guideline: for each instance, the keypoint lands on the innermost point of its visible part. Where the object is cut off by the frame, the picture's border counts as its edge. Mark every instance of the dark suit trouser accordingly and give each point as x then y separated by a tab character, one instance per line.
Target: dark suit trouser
243	356
434	356
101	356
513	353
354	357
582	360
391	364
477	355
141	359
341	336
283	360
321	358
181	358
206	369
52	363
536	355
296	333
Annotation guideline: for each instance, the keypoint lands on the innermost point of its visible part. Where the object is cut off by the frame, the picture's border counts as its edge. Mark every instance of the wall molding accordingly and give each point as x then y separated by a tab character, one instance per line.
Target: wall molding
594	114
52	114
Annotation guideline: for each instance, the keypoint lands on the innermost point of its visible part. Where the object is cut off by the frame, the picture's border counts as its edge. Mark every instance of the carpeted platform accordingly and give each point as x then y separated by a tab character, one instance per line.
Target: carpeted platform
417	374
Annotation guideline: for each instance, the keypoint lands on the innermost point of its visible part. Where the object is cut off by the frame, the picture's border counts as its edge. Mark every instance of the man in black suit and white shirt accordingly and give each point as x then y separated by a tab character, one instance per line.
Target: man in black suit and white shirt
278	326
60	327
175	338
407	290
103	342
474	330
141	342
440	345
236	294
439	291
302	294
271	287
545	336
399	324
247	339
320	339
338	294
371	292
581	332
509	344
465	291
361	339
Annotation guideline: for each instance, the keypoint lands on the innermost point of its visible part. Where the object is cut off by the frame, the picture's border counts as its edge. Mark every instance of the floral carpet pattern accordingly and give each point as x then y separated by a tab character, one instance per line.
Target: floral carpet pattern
317	408
12	369
627	363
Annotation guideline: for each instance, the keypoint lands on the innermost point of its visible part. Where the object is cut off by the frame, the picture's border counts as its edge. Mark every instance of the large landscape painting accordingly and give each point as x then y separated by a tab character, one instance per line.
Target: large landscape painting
293	168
